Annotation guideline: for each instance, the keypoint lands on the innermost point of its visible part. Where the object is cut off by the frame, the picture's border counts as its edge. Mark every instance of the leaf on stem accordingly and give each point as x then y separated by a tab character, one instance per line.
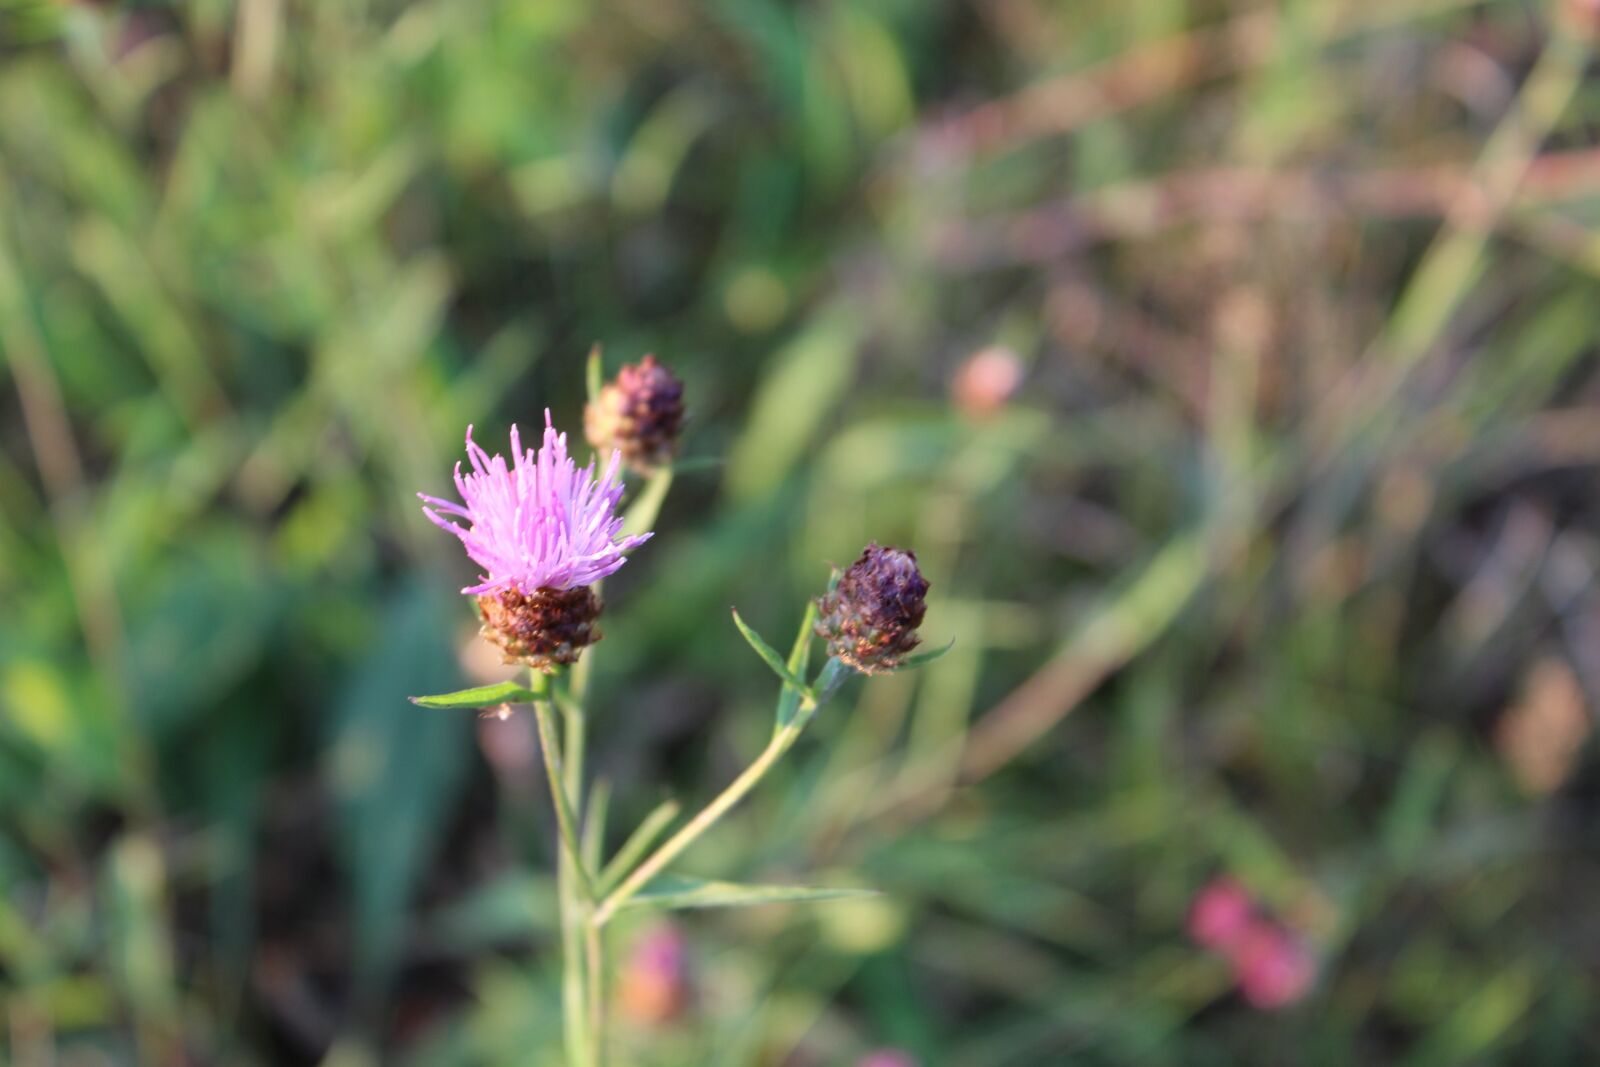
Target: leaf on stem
799	663
633	850
909	662
770	657
484	696
674	892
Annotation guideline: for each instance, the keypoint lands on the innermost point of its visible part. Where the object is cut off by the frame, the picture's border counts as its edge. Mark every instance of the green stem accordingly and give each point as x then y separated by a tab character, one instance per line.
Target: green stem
782	740
560	795
574	982
594	954
705	820
633	850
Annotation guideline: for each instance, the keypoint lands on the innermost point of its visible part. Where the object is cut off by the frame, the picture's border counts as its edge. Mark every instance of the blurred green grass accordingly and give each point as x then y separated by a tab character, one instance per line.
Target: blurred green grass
1295	504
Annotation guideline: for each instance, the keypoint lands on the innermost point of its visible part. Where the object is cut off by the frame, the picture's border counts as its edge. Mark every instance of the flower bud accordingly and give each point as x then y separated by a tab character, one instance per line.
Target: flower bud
638	413
870	620
543	628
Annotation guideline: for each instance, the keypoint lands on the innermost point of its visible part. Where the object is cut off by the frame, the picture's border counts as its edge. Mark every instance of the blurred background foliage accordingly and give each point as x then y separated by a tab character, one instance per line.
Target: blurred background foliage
1281	562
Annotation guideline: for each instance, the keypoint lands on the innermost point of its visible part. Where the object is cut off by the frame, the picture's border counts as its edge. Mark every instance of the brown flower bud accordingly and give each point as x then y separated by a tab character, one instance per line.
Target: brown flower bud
639	413
543	628
870	620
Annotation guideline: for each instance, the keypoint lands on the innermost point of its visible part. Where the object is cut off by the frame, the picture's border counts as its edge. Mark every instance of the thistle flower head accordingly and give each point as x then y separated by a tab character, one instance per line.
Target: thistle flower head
870	619
539	522
638	413
544	532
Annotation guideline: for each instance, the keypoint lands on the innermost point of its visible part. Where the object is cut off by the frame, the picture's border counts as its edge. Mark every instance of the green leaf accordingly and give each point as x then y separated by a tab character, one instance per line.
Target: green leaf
674	892
921	658
633	850
770	656
799	662
484	696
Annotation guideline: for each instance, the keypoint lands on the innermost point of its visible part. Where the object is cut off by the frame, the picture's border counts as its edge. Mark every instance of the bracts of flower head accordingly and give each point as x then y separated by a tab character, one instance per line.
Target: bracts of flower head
639	413
870	619
544	531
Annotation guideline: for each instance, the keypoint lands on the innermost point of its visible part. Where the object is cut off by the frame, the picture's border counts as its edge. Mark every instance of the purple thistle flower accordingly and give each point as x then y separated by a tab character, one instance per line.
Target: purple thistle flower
541	523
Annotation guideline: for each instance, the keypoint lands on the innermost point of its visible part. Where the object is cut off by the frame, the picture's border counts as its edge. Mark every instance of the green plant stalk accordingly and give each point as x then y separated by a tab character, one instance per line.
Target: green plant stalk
595	961
633	850
561	797
574	981
583	985
782	740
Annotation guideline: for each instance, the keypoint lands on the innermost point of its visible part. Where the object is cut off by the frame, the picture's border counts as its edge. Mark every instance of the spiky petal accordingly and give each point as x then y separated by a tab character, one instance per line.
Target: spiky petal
540	522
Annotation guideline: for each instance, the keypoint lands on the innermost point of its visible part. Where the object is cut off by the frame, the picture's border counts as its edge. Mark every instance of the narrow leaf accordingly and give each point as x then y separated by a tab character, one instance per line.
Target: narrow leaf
633	850
484	696
675	892
770	656
799	662
920	658
592	839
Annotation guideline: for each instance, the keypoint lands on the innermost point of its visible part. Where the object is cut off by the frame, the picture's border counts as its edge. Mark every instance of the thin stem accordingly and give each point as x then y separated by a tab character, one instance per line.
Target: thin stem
691	831
639	842
594	953
565	820
574	1012
827	683
642	513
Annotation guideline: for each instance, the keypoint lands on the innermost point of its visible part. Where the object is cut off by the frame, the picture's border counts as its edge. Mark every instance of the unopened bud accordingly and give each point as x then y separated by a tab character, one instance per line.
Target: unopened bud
541	629
638	413
870	620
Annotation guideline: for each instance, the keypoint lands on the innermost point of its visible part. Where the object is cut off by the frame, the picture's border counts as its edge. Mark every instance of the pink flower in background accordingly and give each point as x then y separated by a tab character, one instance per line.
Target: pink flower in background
1220	913
1273	969
539	523
888	1057
986	380
654	986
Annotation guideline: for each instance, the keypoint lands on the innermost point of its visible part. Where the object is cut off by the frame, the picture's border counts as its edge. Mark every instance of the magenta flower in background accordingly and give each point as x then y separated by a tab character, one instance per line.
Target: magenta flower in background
888	1057
540	523
1220	913
1273	969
